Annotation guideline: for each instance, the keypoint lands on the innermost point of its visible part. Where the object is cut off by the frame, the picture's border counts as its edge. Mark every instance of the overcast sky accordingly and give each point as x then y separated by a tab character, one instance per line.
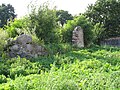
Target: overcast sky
73	6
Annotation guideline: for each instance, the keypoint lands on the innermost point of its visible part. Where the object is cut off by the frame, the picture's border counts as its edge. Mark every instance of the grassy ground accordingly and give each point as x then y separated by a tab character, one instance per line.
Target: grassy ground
95	68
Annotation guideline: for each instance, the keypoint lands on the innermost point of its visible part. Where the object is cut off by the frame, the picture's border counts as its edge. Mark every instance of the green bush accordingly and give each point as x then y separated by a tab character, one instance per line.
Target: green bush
17	27
43	23
4	69
3	79
98	33
84	24
22	66
18	66
3	38
19	70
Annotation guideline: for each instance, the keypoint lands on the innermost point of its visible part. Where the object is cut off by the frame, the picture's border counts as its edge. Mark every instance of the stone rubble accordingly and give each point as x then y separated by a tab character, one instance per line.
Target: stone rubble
24	47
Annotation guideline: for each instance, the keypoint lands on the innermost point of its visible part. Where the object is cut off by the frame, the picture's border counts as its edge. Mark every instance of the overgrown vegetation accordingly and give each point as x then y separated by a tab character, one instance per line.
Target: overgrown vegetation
43	22
64	68
17	27
85	25
106	12
3	39
89	68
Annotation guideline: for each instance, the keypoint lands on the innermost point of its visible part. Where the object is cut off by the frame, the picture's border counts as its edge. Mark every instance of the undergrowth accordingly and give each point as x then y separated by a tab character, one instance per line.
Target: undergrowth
95	68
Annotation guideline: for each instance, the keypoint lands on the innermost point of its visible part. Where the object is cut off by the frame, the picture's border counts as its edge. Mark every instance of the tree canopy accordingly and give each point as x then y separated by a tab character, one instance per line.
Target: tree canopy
106	12
7	13
63	16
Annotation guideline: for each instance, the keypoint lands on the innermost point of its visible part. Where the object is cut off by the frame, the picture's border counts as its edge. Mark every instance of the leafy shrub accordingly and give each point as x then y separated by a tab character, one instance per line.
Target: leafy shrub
36	40
18	66
98	33
19	70
85	25
43	22
22	66
4	69
3	38
3	79
17	27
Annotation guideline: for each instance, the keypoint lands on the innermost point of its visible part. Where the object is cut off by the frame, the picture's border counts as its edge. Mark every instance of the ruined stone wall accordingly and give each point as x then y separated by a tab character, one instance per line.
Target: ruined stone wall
111	42
78	37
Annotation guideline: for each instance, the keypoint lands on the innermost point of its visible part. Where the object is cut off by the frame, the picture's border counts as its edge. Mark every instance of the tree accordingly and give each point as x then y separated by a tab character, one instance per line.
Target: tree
63	16
106	12
6	14
43	22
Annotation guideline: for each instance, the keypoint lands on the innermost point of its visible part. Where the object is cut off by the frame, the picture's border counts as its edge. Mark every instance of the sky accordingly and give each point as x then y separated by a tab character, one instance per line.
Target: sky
74	7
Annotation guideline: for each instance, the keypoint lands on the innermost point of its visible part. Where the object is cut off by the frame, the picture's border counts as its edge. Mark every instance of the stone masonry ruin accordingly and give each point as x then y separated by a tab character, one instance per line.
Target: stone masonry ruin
77	37
111	42
24	47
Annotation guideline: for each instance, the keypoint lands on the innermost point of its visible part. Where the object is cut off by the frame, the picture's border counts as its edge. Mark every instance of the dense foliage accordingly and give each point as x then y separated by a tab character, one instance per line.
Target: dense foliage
17	27
106	12
64	67
6	14
90	68
43	22
84	24
63	16
3	39
97	33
